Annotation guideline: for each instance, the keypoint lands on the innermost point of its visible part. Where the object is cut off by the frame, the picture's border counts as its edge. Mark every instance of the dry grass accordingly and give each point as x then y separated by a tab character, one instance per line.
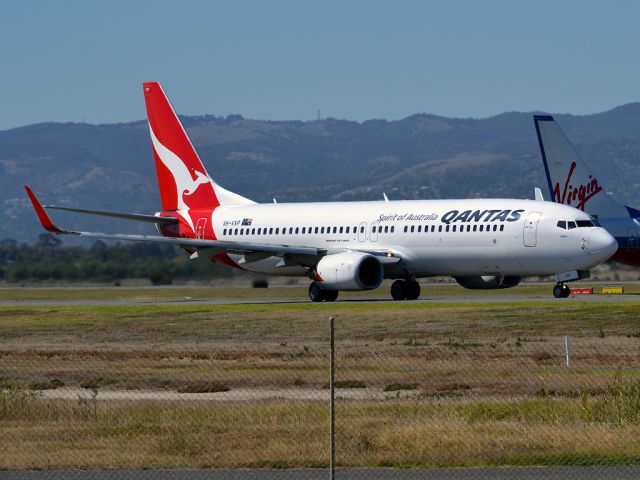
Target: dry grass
488	385
398	433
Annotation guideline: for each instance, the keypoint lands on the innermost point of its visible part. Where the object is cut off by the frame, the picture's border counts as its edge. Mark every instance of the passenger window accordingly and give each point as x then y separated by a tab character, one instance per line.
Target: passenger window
481	228
454	228
316	230
253	231
412	228
571	225
335	229
495	228
406	228
386	229
392	228
440	228
373	229
304	229
361	229
475	228
502	228
433	228
447	229
341	229
296	230
419	228
347	230
277	231
224	232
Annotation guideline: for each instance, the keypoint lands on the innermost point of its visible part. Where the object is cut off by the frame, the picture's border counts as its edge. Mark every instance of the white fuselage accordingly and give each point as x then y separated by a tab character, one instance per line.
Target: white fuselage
432	237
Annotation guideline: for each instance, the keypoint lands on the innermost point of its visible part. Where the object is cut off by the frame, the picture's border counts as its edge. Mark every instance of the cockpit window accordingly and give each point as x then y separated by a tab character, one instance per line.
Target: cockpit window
562	224
571	225
584	223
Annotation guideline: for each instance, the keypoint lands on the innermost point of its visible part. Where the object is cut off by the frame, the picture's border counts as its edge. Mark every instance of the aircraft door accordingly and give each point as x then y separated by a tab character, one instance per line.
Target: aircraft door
632	237
373	235
362	232
200	226
530	235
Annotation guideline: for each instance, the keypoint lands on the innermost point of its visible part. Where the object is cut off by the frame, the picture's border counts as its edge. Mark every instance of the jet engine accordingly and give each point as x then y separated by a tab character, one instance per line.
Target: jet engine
488	282
349	271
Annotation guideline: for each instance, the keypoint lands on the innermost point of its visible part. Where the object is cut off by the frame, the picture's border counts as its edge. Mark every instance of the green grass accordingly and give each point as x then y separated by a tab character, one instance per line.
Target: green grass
186	293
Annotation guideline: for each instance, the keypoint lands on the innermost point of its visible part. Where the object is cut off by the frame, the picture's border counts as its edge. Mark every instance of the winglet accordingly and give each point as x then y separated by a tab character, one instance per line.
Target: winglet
42	215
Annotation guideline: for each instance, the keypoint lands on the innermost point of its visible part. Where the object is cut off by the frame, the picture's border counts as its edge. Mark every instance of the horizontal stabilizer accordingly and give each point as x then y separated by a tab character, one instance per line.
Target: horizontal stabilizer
126	216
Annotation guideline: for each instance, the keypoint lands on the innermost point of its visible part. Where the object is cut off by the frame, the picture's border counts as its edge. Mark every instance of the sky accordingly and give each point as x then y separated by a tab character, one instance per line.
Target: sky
84	61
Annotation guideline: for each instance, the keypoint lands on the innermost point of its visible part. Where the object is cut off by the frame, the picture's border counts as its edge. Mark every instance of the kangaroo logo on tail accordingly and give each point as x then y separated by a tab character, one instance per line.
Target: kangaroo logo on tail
185	183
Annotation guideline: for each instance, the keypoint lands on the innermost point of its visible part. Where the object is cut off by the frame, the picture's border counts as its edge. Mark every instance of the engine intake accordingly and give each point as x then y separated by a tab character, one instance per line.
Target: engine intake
350	271
488	282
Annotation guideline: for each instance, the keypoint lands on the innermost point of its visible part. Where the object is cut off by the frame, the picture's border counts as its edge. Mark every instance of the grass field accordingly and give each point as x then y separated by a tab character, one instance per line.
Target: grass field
468	384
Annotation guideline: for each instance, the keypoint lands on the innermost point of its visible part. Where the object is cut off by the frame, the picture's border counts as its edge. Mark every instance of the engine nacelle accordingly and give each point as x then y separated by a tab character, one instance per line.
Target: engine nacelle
350	271
488	282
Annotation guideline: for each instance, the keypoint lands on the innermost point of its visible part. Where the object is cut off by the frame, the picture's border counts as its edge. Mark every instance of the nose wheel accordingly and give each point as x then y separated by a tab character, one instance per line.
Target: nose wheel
405	290
561	290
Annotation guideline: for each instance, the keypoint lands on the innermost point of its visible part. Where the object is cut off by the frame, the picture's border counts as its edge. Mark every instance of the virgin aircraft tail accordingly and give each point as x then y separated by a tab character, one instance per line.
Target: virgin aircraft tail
183	181
570	180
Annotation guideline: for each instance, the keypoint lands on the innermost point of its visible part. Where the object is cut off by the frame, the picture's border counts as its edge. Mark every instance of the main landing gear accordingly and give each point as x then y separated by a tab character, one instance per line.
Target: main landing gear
405	290
561	290
317	294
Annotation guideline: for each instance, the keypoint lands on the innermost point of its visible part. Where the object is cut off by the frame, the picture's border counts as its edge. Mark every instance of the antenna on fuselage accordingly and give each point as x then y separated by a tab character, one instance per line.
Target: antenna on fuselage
275	201
384	195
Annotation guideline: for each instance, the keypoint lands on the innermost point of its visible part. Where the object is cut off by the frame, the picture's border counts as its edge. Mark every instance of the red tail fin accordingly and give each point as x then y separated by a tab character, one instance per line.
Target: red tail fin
182	178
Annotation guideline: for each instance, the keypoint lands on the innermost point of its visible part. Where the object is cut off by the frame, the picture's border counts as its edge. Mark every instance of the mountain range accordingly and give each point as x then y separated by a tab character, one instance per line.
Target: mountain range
110	167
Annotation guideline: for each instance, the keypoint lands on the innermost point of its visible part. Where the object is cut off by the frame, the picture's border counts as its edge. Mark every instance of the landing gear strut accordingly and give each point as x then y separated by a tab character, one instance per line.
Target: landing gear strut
561	290
317	294
405	290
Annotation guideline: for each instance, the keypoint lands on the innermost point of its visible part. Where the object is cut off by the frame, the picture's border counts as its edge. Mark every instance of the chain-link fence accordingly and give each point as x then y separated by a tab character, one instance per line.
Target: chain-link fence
435	388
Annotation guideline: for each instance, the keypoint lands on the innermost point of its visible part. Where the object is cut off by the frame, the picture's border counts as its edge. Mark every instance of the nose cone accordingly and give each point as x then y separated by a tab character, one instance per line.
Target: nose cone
602	244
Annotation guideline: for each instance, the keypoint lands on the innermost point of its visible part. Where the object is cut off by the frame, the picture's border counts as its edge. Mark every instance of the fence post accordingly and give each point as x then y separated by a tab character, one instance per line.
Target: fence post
332	442
567	348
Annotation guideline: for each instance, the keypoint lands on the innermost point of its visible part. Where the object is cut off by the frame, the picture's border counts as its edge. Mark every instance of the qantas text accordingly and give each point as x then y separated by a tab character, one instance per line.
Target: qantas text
481	216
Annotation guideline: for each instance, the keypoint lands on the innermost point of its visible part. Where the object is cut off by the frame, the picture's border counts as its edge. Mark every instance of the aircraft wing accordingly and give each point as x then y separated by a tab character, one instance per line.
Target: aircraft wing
212	247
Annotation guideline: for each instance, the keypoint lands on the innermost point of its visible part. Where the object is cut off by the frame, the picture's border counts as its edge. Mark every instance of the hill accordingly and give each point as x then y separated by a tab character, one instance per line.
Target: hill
422	156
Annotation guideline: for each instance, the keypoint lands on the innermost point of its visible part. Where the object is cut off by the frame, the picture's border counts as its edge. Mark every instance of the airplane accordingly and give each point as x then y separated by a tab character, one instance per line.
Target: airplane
350	246
571	182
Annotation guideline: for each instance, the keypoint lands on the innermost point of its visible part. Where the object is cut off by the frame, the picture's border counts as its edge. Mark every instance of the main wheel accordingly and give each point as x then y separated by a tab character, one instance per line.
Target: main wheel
399	290
558	290
412	290
330	295
566	291
316	294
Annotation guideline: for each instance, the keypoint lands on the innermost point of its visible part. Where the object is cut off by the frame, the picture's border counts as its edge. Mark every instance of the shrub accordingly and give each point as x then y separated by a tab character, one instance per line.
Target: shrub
204	387
260	283
347	384
393	387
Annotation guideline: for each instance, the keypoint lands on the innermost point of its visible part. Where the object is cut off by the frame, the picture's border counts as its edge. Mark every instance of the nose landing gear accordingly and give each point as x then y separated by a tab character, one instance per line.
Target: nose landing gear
405	290
561	290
